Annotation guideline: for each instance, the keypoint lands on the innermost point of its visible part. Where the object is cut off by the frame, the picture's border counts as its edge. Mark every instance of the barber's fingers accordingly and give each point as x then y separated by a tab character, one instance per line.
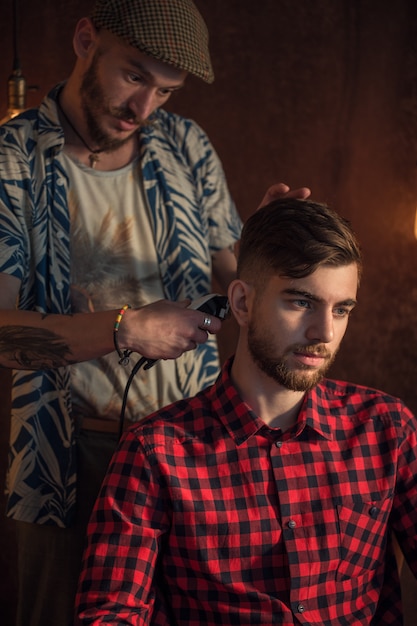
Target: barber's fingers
281	190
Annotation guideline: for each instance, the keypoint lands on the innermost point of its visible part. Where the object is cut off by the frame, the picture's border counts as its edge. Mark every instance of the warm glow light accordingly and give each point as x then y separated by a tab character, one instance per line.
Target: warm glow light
16	84
415	225
10	114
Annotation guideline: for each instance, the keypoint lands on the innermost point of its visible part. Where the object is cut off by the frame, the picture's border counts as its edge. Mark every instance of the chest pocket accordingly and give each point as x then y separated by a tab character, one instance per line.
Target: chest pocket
363	535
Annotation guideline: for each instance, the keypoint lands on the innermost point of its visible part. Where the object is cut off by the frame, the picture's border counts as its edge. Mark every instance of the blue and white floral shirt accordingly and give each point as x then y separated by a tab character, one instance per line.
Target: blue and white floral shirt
192	216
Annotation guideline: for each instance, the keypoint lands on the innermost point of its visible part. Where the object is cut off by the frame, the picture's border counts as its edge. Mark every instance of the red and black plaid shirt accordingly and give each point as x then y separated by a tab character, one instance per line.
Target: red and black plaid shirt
208	517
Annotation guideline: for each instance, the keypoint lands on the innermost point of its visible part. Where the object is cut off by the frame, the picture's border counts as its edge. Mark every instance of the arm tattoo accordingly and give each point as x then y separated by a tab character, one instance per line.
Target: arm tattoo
33	348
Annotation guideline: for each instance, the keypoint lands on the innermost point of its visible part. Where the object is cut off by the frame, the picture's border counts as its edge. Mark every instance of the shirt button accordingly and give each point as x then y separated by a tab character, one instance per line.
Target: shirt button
300	608
292	524
373	511
278	444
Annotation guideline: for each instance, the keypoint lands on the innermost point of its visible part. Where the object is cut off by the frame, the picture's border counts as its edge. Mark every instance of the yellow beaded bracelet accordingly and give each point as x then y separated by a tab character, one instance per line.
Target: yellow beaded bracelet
123	354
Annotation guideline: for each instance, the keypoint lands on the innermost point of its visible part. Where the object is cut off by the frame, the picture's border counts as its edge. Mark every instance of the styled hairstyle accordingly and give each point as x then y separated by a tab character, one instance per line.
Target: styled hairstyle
293	238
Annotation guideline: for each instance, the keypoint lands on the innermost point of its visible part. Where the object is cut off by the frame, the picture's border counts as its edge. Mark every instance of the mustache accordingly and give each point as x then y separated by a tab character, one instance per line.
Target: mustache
311	349
125	114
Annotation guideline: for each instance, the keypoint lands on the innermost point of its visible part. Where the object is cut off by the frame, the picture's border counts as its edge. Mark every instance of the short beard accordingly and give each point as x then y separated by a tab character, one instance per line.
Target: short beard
277	369
94	103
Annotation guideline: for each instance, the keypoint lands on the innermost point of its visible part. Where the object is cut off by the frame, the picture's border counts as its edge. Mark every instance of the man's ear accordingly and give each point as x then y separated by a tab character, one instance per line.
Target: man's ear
240	295
85	36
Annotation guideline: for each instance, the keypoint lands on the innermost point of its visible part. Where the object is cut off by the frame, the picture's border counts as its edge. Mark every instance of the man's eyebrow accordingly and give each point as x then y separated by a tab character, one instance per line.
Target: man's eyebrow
142	69
310	296
138	65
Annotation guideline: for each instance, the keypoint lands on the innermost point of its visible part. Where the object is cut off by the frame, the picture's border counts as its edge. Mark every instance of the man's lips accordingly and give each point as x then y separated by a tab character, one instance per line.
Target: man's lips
311	359
127	124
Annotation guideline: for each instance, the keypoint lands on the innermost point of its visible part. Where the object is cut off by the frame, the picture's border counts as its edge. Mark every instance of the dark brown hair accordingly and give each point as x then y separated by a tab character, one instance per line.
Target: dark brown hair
293	238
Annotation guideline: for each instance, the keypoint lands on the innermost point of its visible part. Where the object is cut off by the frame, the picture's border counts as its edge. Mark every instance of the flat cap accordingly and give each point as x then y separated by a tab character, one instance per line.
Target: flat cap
172	31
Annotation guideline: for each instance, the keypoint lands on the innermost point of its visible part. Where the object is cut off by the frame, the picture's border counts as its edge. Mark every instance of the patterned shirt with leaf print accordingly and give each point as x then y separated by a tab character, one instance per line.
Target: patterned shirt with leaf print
192	216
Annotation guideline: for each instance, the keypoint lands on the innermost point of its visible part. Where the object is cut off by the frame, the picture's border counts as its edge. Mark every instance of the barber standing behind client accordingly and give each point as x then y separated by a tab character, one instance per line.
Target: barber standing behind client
106	200
270	497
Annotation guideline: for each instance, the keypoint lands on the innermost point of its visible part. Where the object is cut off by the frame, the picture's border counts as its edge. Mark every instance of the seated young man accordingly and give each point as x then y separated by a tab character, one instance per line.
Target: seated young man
269	498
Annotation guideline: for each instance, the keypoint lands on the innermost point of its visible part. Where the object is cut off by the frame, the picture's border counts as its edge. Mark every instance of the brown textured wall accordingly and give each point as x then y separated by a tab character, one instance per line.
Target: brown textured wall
313	92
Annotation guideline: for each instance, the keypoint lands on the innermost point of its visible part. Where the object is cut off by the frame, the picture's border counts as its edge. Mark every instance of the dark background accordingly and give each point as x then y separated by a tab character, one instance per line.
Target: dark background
310	92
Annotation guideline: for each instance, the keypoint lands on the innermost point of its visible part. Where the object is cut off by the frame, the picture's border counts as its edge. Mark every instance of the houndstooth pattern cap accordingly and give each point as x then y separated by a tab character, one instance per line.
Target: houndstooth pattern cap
172	31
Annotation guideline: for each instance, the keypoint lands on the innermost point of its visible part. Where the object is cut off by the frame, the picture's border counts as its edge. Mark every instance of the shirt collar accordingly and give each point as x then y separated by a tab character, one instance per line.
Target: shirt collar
51	134
241	421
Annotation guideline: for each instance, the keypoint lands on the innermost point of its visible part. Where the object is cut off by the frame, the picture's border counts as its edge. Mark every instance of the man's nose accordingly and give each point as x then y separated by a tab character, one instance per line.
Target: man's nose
321	327
144	104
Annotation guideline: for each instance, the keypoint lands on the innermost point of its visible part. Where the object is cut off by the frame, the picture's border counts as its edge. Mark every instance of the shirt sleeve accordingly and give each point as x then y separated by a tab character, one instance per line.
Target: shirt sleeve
129	521
224	222
194	172
14	183
404	513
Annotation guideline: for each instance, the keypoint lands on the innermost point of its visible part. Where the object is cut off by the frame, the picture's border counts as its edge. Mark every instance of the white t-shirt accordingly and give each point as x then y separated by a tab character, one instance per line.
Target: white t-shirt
113	262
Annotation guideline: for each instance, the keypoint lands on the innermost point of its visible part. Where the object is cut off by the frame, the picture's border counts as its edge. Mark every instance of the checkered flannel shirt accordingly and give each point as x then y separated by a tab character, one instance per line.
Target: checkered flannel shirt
208	516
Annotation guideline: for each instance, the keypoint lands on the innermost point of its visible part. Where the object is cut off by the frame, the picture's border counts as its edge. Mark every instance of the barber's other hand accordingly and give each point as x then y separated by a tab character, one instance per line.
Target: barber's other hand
164	329
281	190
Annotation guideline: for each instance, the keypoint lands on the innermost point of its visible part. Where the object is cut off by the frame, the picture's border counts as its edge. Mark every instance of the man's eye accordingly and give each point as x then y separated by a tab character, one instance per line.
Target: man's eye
304	304
165	92
342	312
134	78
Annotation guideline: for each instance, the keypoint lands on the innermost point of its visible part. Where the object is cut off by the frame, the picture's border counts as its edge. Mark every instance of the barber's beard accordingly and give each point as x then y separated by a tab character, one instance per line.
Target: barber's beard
276	367
95	106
